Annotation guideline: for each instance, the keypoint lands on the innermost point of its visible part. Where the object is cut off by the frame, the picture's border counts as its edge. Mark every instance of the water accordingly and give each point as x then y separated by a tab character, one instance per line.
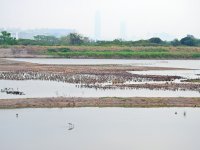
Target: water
36	89
188	74
39	89
190	64
100	128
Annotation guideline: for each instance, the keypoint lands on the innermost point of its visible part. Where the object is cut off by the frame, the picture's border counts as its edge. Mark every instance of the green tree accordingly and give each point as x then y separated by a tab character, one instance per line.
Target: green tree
86	40
117	41
64	40
46	40
189	40
155	40
175	42
75	39
5	38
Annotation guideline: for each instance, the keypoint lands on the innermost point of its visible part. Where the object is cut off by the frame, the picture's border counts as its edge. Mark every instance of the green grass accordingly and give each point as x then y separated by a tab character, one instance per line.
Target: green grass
193	80
5	46
147	53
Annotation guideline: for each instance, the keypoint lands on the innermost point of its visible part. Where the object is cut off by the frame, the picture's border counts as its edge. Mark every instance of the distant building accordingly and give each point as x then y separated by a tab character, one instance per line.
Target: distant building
13	32
97	31
29	34
123	30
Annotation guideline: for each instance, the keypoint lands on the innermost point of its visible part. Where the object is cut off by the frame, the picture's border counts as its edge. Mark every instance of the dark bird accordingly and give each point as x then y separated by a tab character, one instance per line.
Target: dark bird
70	126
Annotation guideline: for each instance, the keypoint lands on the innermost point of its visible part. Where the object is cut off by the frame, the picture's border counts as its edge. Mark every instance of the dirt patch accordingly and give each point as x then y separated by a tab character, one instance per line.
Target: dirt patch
99	102
23	52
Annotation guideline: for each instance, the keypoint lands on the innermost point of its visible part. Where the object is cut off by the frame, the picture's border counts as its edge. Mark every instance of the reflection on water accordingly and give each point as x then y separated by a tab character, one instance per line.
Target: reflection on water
100	128
190	64
37	88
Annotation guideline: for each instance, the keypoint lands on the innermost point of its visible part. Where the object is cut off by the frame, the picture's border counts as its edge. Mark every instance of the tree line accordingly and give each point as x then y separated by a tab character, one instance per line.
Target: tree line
78	39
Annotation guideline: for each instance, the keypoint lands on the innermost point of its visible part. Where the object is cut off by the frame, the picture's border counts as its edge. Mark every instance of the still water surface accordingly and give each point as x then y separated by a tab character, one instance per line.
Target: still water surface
187	74
34	89
39	88
190	64
100	128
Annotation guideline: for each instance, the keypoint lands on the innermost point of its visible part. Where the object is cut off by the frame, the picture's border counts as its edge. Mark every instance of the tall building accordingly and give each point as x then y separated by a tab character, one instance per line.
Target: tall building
123	35
97	32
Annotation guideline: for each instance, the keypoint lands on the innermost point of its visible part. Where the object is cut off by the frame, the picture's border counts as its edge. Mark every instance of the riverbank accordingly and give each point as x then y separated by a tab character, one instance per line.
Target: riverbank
120	52
123	54
98	102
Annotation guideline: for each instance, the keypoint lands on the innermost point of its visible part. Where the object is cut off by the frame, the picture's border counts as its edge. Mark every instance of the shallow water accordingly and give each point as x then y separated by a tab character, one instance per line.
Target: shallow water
100	128
188	74
36	89
39	88
190	64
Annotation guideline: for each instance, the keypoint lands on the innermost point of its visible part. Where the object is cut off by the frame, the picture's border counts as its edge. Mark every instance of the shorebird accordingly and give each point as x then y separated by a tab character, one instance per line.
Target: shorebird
70	126
184	114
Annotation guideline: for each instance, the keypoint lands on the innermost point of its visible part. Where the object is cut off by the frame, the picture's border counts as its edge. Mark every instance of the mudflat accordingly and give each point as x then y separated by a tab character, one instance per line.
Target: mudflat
14	70
99	102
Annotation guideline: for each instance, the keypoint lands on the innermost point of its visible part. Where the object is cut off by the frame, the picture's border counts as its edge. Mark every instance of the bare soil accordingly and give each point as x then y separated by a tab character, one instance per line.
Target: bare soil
99	102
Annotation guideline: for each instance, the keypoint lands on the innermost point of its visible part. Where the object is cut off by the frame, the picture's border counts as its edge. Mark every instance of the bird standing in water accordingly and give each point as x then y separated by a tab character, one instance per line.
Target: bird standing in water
71	126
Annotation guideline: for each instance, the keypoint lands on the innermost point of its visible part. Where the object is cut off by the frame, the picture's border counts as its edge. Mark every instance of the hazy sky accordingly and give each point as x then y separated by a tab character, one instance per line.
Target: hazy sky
142	18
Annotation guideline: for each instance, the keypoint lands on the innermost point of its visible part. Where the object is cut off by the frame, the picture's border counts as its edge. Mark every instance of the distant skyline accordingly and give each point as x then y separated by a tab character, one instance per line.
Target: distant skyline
143	18
123	33
97	30
29	34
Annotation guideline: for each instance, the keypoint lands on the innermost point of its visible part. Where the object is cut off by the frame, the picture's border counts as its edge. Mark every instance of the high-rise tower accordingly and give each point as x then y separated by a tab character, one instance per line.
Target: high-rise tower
97	32
123	30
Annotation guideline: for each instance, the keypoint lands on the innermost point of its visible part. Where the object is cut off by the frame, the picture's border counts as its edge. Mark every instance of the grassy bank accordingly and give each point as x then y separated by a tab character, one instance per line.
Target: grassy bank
140	52
146	53
193	80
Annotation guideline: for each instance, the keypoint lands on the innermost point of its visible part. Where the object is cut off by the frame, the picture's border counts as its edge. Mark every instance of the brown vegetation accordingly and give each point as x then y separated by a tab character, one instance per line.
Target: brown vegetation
99	102
38	51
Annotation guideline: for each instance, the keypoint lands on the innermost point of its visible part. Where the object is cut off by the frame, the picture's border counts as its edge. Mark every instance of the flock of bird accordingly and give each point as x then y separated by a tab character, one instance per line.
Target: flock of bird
12	91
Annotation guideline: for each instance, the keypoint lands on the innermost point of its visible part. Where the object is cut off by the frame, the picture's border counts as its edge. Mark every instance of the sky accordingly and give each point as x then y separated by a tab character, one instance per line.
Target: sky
141	19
